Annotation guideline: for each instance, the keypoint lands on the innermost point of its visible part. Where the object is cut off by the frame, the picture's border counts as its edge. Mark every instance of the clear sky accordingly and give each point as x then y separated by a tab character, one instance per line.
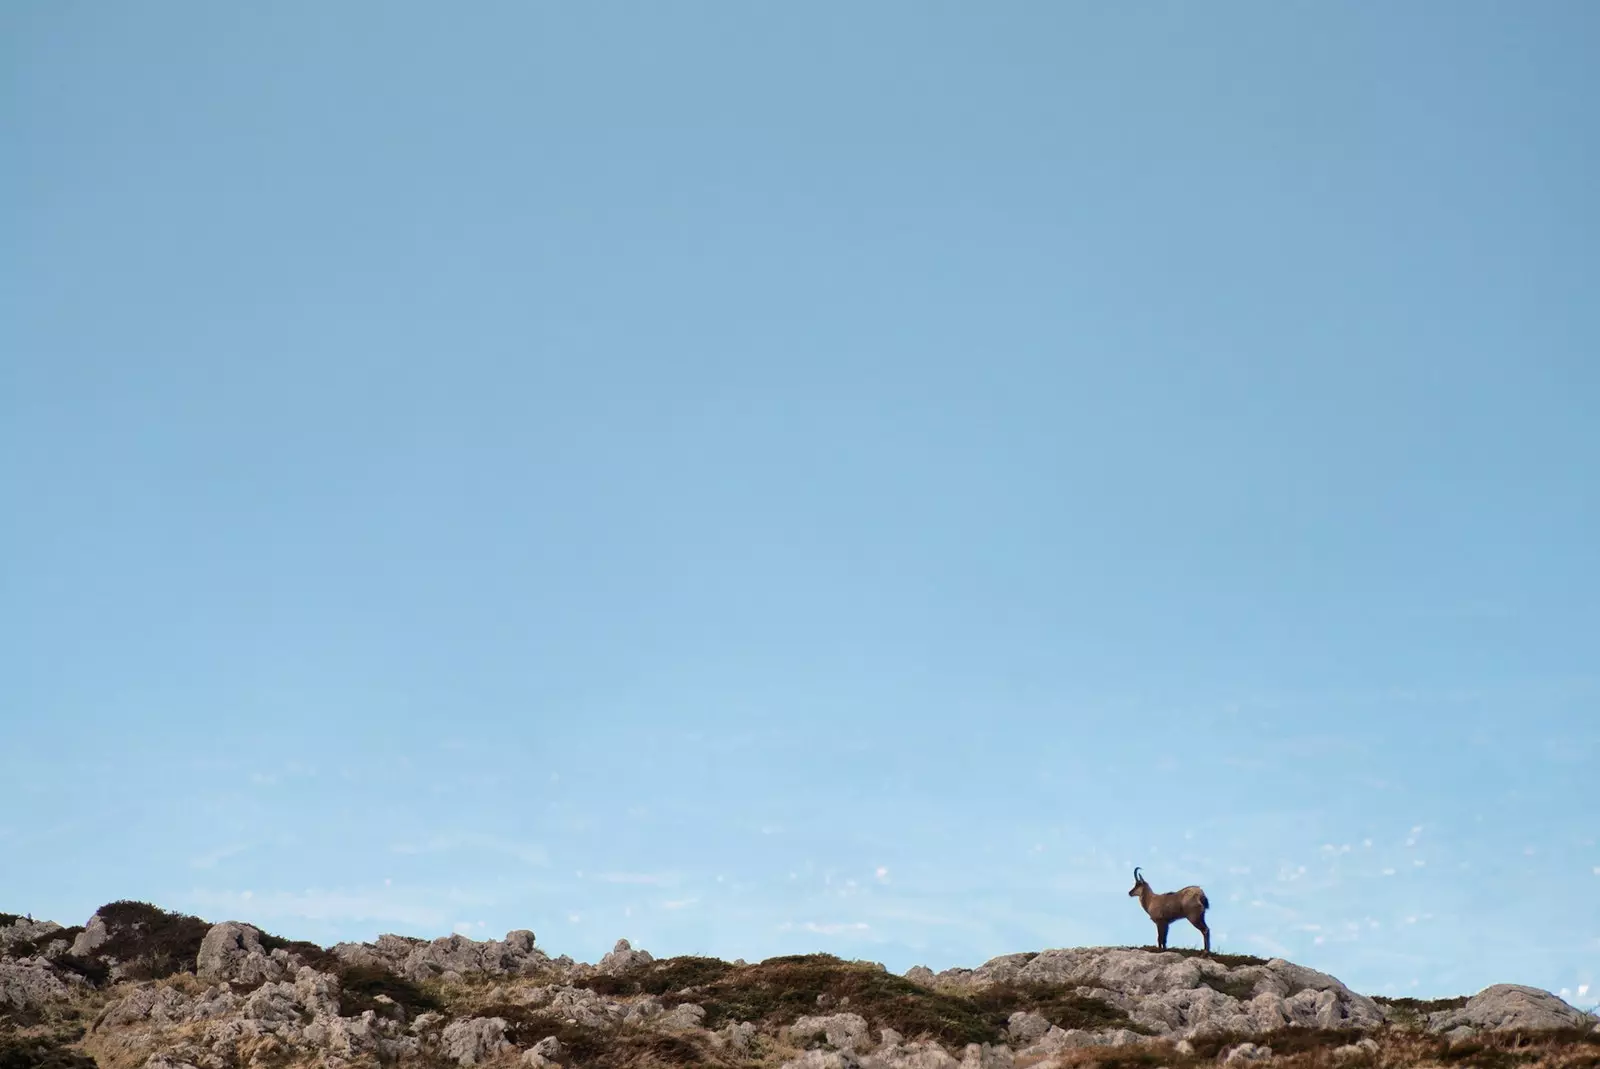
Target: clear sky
770	478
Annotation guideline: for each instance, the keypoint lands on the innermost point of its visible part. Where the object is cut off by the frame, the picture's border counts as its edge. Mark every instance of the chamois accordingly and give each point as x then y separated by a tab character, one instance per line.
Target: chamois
1190	904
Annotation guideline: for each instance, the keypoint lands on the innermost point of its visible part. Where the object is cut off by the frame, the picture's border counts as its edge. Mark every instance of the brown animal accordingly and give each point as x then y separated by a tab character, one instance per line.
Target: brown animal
1189	904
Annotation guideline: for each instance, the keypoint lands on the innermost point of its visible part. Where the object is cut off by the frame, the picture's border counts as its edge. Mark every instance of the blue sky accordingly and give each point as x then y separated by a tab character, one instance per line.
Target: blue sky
830	477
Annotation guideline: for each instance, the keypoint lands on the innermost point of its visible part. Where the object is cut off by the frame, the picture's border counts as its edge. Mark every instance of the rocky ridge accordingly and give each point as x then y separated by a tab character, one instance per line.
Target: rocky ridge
141	988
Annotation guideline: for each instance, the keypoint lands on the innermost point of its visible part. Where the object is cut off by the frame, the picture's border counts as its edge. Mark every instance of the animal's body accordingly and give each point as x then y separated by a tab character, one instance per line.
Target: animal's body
1188	903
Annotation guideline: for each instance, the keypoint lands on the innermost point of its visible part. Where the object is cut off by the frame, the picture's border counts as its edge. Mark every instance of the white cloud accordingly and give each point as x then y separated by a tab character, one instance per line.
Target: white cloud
1388	872
1597	870
574	918
462	928
209	860
420	910
652	879
882	872
680	903
473	840
834	928
1416	829
1418	863
1318	940
1528	851
1583	989
1367	843
1411	842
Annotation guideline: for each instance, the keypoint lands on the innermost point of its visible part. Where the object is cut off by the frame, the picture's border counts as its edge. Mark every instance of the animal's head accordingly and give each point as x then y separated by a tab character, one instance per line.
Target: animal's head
1138	884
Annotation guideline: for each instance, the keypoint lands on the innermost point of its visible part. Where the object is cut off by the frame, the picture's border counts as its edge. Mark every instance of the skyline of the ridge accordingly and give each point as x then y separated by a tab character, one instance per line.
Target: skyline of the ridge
755	481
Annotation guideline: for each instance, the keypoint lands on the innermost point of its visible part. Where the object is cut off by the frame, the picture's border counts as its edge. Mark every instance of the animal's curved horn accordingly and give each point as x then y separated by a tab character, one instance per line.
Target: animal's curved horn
1136	877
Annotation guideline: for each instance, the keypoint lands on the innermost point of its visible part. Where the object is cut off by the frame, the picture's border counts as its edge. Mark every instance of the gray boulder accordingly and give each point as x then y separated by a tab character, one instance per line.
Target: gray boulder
685	1016
30	984
474	1040
1509	1007
94	935
623	957
1245	1053
846	1031
233	951
420	960
824	1059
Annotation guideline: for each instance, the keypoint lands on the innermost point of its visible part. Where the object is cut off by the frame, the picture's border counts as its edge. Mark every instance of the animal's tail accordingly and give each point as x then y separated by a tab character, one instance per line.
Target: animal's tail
1205	903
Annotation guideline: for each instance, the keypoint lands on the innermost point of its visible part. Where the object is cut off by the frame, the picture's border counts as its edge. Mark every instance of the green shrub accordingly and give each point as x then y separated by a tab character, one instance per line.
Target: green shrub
593	1048
661	977
1239	987
151	942
360	986
91	969
1059	1004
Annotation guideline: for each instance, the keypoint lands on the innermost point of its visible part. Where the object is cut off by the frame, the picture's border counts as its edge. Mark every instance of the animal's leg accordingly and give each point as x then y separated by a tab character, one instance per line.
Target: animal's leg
1161	934
1200	923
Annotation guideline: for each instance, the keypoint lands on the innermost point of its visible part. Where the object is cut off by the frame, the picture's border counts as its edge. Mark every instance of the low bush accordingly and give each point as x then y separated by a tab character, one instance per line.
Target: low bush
41	1052
360	986
149	941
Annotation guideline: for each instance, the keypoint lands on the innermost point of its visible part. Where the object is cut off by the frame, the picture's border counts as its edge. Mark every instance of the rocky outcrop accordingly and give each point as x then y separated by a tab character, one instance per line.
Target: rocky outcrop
247	1000
474	1040
451	957
847	1031
95	934
32	985
233	951
623	957
1165	993
1509	1007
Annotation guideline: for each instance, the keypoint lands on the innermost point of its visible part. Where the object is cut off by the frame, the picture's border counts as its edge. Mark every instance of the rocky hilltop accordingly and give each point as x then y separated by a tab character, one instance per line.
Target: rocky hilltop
138	987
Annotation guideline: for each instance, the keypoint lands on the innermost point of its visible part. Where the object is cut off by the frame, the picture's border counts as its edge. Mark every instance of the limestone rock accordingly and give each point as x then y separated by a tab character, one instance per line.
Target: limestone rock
819	1059
846	1031
1245	1053
740	1037
684	1016
1366	1047
623	957
94	935
1507	1007
233	951
31	984
474	1039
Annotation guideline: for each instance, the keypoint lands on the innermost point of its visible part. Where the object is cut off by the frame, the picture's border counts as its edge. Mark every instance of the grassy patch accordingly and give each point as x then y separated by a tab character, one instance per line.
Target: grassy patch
1242	988
777	991
1061	1006
39	1052
1423	1006
1284	1042
1188	951
662	977
150	941
624	1048
360	986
